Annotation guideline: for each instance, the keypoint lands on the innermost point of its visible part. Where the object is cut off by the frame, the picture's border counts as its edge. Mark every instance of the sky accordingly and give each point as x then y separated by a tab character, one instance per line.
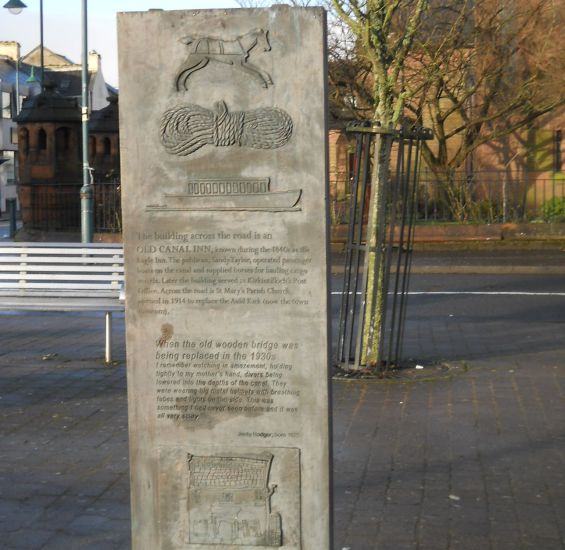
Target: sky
62	26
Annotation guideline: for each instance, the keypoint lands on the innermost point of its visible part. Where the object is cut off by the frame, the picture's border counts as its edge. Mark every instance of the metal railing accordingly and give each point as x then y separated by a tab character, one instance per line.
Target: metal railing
56	207
107	208
378	264
485	197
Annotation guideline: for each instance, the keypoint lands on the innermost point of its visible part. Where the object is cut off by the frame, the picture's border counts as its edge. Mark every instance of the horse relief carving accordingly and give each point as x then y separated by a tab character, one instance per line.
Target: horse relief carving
234	52
186	128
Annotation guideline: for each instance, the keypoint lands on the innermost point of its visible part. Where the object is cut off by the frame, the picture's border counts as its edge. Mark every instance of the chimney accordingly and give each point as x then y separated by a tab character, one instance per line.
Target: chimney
93	61
10	50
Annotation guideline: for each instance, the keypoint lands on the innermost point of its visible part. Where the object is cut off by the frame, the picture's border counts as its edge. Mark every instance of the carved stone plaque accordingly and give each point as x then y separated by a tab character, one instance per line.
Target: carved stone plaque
224	194
247	497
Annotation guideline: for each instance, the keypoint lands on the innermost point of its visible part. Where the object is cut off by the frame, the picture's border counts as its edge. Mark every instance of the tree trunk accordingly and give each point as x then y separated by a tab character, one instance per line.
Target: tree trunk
373	322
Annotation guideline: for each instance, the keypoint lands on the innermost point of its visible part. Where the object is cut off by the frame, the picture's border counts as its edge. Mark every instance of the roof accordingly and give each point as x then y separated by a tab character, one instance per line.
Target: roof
105	120
59	69
49	106
8	71
69	83
50	58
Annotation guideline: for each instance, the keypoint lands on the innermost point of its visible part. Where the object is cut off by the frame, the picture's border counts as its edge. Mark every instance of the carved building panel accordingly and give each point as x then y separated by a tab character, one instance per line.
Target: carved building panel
214	498
230	501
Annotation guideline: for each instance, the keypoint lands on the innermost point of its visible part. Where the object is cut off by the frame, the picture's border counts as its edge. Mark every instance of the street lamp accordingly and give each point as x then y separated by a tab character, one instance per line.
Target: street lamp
86	192
15	6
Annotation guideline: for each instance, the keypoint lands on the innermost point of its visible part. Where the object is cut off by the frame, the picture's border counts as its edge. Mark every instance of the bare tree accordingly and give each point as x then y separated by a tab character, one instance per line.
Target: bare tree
473	70
485	77
253	3
384	33
368	78
265	3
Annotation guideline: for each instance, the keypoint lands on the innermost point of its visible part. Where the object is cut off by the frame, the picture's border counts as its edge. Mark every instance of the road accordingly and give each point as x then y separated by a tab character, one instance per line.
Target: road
518	294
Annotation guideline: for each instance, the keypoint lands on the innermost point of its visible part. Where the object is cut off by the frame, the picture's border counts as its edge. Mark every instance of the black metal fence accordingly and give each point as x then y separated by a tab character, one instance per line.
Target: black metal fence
485	197
56	207
107	208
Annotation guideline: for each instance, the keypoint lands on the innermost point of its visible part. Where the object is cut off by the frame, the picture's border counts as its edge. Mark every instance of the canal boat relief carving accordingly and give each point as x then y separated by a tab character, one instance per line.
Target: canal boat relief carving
251	194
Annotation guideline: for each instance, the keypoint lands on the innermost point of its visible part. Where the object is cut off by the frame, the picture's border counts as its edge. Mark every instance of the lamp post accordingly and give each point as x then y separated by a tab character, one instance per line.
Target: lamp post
87	189
86	192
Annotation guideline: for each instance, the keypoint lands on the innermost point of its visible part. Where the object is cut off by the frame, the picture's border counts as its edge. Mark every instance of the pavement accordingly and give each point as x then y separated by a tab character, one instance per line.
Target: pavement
63	424
473	459
496	258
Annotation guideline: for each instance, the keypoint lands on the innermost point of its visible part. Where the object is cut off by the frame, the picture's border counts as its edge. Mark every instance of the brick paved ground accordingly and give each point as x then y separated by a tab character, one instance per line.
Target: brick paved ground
63	425
472	462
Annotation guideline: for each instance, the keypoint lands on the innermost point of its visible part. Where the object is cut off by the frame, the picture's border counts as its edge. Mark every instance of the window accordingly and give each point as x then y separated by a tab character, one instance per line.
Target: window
107	147
10	167
91	147
542	149
13	136
350	165
557	151
41	140
62	141
6	105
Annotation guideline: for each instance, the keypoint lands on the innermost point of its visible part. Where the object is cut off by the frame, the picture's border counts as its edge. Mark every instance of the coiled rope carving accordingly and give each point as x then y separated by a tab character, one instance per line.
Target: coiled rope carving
185	129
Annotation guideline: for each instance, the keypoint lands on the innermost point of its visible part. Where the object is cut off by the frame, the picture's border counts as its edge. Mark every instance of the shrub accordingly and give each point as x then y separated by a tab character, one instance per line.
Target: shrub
553	210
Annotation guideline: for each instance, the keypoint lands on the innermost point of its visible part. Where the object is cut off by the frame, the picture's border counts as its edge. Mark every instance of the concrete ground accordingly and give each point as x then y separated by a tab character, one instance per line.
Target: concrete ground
469	461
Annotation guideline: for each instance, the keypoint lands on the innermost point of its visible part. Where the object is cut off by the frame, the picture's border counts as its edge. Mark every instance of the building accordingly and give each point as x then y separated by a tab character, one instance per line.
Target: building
50	161
104	159
14	86
104	142
68	75
47	134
